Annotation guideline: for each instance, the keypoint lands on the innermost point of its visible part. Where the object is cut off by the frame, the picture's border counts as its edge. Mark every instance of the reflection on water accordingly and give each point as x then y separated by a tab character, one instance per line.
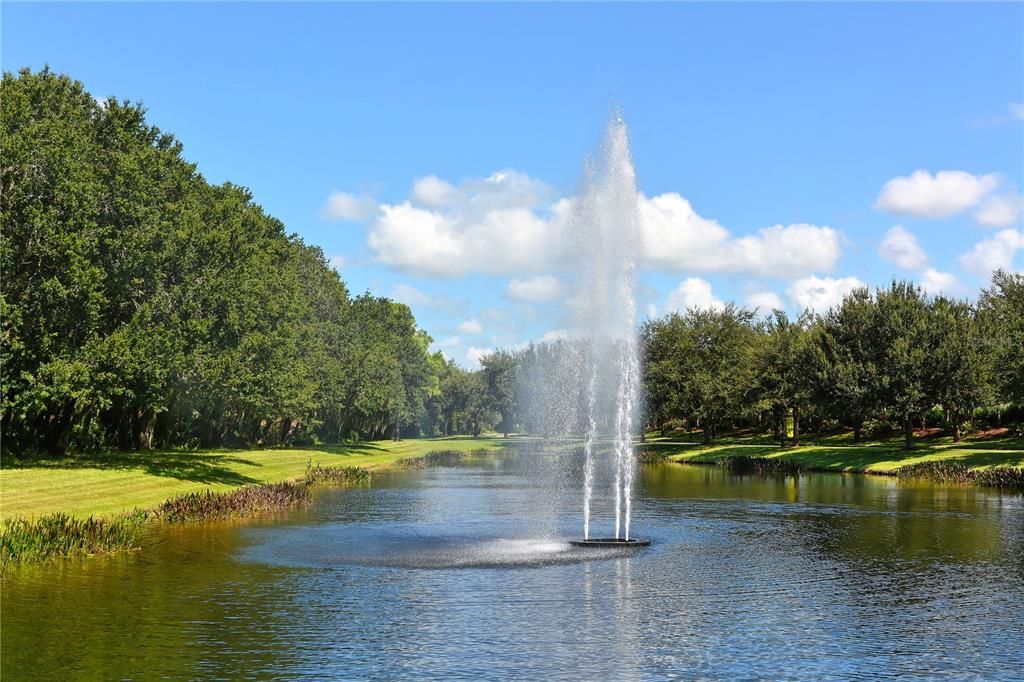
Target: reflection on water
437	573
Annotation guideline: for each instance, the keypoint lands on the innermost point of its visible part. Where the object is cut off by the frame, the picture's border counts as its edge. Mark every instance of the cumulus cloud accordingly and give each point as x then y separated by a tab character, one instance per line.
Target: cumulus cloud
820	293
764	301
410	295
336	263
432	191
941	195
555	335
901	247
534	289
345	206
674	236
694	292
470	327
652	311
995	253
1000	211
448	342
473	355
510	223
935	282
1016	110
500	224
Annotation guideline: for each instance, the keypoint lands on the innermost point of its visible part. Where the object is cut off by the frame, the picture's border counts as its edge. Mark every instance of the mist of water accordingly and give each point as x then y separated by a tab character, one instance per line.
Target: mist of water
604	227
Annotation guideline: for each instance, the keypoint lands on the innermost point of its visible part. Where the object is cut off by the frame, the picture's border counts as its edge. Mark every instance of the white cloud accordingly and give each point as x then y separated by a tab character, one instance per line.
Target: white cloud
901	247
432	191
555	335
449	342
694	292
935	282
652	311
764	301
674	236
820	293
336	263
410	295
473	355
510	223
995	253
470	327
345	206
941	195
1000	211
535	289
500	225
1016	110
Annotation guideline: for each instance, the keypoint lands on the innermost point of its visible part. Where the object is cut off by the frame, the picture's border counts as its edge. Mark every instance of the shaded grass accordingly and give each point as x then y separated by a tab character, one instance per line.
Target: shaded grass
61	535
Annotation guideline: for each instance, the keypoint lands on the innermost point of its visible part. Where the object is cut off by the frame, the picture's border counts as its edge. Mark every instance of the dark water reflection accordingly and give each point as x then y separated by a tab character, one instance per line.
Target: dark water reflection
463	572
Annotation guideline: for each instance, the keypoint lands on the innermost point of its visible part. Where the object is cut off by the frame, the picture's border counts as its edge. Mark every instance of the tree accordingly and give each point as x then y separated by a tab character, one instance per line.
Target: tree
848	380
785	369
1001	318
958	364
499	373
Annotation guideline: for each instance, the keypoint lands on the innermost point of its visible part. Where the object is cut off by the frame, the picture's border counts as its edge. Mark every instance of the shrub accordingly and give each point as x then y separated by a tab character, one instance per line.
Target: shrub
247	500
436	458
948	471
61	535
318	475
742	464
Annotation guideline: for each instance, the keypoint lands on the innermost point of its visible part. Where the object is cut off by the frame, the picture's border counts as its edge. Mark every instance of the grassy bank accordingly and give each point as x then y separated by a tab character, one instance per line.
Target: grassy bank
840	453
107	485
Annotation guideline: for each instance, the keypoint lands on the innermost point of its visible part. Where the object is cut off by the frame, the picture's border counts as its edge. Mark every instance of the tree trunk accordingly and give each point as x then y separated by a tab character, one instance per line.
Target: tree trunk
956	428
908	432
796	425
707	432
856	431
780	426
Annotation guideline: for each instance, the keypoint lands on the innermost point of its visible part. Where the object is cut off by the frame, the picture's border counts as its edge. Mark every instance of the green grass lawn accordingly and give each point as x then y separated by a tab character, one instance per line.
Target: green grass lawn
840	453
107	484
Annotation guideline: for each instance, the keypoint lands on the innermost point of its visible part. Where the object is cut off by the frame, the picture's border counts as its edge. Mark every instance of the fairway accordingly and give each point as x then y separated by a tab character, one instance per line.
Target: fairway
108	484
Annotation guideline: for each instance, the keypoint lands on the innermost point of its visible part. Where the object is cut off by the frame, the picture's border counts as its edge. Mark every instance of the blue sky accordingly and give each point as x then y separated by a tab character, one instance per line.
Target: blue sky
777	147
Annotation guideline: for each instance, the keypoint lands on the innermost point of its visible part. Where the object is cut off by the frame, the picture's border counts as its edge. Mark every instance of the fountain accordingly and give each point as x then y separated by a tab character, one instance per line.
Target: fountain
604	227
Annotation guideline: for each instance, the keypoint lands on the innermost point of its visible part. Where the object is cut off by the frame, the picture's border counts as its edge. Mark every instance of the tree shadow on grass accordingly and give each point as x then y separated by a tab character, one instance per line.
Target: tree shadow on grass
186	466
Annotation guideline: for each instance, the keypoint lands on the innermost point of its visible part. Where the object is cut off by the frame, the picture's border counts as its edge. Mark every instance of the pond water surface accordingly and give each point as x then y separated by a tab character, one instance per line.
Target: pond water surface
464	573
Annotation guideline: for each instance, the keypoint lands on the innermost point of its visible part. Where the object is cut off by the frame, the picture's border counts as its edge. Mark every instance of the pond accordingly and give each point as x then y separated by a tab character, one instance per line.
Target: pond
463	572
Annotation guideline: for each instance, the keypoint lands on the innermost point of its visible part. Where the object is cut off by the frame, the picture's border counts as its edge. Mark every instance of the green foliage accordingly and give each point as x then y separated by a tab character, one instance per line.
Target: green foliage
250	499
343	475
60	535
143	307
875	360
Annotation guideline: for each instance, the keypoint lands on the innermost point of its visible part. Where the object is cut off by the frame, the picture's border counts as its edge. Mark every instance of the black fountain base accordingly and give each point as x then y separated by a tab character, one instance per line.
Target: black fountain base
610	542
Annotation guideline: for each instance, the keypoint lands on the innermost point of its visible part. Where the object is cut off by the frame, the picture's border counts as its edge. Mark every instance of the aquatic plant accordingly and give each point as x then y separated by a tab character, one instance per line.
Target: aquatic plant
343	475
652	456
435	458
743	464
949	471
61	535
247	500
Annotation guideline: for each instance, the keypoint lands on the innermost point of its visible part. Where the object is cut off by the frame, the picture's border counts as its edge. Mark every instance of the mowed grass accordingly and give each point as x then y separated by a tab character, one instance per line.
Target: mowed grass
840	453
108	484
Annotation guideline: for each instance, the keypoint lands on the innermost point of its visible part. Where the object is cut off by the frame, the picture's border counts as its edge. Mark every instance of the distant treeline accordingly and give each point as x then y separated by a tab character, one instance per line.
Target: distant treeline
889	360
143	307
882	360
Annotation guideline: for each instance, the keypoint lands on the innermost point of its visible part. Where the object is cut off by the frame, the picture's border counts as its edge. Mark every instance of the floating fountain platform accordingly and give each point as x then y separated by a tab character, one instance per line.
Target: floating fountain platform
610	542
